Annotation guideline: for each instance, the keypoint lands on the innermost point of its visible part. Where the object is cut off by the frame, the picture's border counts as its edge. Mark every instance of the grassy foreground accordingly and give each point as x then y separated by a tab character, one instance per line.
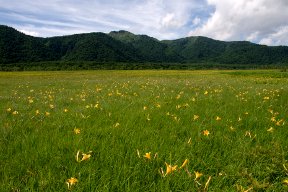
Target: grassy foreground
144	131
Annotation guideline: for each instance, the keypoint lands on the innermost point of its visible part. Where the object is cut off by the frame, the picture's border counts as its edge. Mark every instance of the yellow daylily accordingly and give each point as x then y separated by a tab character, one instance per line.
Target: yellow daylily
71	181
77	131
147	155
15	113
184	163
280	122
206	132
138	153
271	129
84	156
170	168
197	175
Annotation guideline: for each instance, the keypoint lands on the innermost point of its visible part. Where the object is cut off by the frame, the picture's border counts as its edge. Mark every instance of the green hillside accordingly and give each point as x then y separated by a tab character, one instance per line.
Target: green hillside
91	47
18	47
149	48
123	46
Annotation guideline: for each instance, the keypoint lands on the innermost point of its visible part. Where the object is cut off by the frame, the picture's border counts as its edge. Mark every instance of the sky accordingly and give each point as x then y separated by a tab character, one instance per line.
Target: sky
259	21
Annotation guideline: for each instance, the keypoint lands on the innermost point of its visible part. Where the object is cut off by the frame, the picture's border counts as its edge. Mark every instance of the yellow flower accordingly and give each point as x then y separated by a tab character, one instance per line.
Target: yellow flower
197	175
117	124
9	110
218	118
271	129
47	113
77	131
206	132
184	163
266	98
30	101
195	117
148	117
280	122
51	106
248	133
85	156
145	108
170	168
147	155
37	112
65	110
15	113
206	92
138	153
207	183
71	181
285	181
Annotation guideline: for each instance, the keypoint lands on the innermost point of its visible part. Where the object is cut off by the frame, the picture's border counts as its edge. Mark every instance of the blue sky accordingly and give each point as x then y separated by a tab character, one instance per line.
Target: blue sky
259	21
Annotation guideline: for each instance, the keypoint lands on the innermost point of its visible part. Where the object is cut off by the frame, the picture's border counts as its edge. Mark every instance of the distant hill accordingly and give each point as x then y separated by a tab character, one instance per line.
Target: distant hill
123	46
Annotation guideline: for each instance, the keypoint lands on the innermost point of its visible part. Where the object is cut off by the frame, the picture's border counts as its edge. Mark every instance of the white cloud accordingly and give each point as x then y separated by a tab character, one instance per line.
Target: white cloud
158	18
255	20
277	38
31	33
170	21
196	21
253	36
263	21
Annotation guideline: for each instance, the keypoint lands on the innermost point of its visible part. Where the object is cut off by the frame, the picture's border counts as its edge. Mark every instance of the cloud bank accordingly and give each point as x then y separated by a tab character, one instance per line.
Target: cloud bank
259	21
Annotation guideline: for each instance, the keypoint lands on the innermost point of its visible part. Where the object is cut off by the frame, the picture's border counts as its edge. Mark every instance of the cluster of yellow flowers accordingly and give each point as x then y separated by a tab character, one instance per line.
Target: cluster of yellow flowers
80	156
170	169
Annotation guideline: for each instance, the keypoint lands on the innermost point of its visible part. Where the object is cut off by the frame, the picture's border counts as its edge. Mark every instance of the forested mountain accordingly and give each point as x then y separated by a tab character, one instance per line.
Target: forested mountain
123	46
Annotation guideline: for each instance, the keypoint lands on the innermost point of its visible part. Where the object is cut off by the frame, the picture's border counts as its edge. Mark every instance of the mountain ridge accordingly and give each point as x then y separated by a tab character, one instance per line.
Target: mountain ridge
124	46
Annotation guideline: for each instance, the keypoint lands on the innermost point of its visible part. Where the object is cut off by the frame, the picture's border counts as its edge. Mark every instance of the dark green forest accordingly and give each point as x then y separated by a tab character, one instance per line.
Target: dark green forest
124	50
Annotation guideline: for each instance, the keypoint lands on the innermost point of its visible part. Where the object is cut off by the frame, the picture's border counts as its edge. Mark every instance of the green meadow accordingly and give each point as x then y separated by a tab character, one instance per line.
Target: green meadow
144	131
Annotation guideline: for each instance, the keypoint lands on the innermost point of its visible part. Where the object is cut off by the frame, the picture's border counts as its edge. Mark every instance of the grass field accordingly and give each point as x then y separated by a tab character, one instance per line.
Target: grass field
144	131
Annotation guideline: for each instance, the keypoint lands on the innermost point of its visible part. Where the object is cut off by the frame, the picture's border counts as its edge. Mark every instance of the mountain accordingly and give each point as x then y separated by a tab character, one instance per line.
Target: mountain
123	46
90	47
18	47
149	48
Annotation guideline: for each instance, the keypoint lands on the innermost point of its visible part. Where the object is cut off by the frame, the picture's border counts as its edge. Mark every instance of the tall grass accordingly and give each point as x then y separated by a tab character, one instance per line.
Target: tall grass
134	125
